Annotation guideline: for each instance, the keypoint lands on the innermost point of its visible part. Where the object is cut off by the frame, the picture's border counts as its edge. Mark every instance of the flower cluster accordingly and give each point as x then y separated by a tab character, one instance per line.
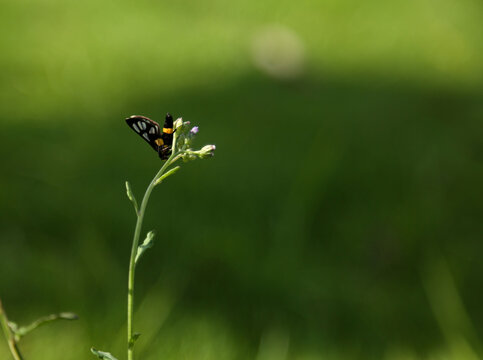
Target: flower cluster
184	138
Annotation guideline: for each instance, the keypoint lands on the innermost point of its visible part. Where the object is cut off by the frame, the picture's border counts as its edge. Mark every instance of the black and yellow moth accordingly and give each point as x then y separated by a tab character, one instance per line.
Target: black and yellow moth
160	140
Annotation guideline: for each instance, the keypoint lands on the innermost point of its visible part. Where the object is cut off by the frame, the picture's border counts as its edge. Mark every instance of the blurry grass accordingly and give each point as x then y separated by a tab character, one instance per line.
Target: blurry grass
450	311
90	56
332	254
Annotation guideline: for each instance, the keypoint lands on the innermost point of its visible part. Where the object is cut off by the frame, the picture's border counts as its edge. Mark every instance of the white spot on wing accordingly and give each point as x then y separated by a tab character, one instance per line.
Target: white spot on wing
152	130
146	136
135	127
143	124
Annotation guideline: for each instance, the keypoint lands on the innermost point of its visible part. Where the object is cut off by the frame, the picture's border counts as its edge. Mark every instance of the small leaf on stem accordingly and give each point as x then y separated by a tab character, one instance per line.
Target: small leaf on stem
102	354
147	243
24	330
133	339
68	316
131	197
165	175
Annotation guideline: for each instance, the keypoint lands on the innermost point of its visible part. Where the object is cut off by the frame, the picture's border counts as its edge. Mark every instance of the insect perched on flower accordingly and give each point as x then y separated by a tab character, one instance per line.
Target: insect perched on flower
160	140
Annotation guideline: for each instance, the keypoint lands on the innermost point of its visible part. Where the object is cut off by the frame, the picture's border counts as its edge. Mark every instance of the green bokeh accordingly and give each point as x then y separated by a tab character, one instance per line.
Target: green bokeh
341	217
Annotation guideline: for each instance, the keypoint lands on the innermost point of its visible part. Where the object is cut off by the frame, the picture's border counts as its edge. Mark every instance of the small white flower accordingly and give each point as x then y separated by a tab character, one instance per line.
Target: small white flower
207	151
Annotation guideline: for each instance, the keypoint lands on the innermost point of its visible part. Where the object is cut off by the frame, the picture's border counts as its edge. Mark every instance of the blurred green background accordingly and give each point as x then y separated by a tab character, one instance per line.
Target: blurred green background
341	217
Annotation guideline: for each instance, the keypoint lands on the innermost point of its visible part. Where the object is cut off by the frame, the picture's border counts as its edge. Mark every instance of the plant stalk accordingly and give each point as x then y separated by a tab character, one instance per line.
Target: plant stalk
12	344
134	249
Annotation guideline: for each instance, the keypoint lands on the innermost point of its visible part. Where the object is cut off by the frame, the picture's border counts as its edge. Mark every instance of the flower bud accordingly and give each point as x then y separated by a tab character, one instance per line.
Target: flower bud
207	151
178	123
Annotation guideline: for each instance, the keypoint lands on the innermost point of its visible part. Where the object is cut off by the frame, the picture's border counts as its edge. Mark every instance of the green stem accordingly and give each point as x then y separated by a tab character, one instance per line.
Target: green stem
24	330
134	249
12	344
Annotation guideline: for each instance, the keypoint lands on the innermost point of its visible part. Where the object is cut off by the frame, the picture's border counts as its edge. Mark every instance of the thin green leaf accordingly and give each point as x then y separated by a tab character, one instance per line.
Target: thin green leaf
24	330
165	175
147	243
131	197
102	354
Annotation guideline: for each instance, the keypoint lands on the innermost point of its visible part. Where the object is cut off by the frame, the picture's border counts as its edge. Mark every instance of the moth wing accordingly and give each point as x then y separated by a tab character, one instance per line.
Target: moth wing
148	129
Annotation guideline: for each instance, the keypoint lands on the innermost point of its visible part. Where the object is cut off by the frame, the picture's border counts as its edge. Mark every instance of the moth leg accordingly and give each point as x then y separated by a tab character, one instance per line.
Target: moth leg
164	152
